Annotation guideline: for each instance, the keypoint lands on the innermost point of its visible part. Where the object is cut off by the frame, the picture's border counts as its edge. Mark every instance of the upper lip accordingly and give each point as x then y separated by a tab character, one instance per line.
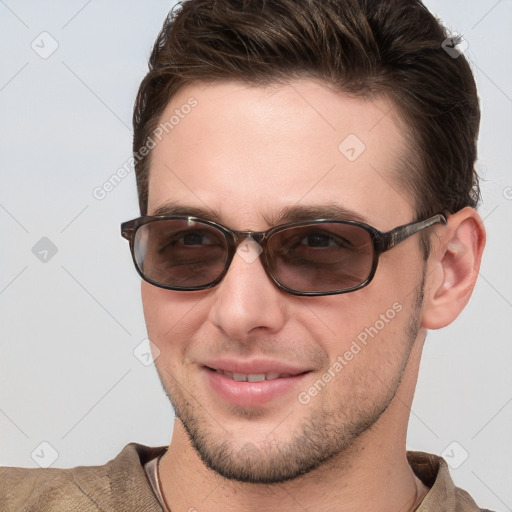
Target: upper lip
256	366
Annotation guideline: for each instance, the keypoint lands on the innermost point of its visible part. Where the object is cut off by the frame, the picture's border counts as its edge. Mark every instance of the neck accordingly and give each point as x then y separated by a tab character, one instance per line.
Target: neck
376	483
372	474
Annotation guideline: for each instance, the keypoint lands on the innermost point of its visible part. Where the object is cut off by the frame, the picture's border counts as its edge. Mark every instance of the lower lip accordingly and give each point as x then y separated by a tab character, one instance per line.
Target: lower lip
251	394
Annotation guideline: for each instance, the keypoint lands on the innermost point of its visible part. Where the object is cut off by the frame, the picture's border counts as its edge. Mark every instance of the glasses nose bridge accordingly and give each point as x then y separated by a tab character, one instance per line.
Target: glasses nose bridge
258	236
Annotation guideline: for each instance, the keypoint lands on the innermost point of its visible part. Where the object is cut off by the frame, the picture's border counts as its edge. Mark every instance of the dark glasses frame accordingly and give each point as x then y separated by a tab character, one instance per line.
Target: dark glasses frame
381	242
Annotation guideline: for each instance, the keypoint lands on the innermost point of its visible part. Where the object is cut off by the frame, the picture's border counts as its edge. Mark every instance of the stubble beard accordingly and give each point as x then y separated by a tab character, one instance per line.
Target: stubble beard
323	436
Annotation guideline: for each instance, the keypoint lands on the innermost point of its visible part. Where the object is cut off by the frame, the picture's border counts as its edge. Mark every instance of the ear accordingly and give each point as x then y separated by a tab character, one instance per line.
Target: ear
452	268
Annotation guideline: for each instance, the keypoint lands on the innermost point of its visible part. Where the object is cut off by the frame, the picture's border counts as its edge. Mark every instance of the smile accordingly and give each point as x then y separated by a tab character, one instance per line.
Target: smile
253	385
253	377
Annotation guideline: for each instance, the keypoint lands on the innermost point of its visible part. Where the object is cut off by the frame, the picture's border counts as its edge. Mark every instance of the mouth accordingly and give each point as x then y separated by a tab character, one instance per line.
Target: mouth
254	384
252	377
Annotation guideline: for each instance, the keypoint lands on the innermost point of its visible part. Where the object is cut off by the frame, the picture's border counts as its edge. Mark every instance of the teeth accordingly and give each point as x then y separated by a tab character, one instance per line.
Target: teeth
256	377
253	377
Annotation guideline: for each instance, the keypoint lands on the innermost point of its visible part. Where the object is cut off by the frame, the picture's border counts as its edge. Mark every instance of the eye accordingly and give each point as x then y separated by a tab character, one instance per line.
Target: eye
193	239
320	240
187	241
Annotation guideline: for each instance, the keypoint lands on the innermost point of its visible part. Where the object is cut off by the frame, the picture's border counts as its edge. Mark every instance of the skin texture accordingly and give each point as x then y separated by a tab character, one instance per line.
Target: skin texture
244	154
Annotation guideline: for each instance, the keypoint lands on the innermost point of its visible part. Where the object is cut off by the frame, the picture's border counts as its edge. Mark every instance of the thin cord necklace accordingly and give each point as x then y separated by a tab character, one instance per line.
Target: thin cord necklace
158	482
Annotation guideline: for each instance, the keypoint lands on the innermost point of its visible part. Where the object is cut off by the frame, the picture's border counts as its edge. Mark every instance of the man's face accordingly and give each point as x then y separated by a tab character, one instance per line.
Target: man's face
247	154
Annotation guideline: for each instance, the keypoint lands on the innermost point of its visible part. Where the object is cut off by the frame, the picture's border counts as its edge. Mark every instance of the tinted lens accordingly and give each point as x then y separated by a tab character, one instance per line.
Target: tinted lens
180	253
321	257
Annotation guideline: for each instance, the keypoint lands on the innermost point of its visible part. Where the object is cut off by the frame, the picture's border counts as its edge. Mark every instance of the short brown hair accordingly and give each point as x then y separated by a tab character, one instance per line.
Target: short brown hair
366	48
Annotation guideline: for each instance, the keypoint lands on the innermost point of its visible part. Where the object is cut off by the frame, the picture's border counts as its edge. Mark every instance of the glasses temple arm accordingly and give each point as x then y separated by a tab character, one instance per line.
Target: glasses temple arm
401	233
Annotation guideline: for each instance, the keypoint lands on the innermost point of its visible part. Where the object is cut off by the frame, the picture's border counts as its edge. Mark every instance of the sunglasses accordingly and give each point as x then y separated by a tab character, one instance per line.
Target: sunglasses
316	257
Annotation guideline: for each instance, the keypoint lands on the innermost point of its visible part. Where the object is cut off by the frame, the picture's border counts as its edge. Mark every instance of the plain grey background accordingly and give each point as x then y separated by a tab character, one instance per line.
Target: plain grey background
72	371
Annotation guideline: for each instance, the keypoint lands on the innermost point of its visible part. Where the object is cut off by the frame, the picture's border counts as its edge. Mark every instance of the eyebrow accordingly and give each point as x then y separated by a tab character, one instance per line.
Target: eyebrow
316	211
295	213
171	208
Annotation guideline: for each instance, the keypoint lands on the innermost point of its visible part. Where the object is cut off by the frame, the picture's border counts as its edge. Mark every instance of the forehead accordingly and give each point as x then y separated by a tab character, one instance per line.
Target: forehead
247	153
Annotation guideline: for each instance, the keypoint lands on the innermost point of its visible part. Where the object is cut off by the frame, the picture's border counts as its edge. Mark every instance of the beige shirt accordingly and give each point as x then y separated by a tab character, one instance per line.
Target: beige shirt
122	484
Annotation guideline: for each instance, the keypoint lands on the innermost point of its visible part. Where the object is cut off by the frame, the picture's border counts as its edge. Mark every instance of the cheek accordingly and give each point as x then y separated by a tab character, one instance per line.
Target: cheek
152	303
366	326
171	317
367	353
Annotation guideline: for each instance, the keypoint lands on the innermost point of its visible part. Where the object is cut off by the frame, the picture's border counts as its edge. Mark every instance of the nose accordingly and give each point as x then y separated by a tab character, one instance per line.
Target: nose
246	300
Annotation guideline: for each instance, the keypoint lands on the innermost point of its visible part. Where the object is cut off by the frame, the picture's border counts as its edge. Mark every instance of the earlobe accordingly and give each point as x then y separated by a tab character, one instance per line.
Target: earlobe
453	268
